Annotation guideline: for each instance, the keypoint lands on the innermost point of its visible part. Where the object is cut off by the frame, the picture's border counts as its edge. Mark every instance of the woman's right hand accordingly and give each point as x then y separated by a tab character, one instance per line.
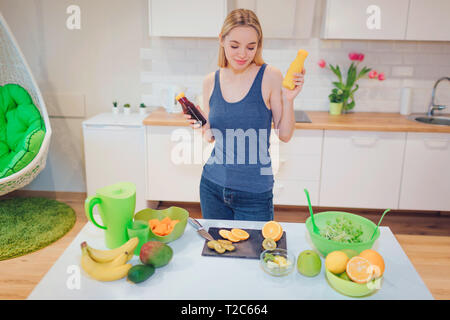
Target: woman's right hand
194	124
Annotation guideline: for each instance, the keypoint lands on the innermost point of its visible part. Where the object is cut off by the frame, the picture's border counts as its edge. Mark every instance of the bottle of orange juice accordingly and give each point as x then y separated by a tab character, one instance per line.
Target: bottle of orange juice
295	67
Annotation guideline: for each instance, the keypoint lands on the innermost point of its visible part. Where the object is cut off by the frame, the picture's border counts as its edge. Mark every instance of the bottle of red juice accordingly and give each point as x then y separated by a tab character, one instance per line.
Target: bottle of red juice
191	109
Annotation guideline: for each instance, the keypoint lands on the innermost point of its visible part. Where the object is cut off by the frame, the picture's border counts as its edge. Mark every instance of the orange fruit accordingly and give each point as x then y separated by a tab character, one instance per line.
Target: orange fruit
272	230
228	235
359	270
240	234
232	238
375	259
224	233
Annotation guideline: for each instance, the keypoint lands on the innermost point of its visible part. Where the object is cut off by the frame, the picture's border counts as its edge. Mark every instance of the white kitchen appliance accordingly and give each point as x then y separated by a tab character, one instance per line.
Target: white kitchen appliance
114	148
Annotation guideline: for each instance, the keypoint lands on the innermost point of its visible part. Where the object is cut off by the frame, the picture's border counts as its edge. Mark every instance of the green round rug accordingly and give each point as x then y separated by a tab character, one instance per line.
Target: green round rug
30	224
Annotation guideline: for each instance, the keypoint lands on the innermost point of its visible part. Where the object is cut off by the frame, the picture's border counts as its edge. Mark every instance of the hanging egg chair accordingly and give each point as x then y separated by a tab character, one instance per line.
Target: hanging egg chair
25	129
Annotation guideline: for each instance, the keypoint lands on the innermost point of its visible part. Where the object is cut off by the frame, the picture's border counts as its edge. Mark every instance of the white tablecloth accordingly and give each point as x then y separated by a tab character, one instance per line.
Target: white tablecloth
192	276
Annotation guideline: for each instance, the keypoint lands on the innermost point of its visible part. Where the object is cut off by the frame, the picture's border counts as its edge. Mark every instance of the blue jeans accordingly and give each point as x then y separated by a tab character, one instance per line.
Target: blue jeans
217	202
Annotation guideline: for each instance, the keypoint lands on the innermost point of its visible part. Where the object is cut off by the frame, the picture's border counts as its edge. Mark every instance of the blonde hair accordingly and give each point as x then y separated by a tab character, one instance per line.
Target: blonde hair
239	18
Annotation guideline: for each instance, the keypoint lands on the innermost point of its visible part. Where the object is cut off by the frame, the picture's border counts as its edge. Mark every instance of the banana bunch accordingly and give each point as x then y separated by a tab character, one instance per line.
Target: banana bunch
108	265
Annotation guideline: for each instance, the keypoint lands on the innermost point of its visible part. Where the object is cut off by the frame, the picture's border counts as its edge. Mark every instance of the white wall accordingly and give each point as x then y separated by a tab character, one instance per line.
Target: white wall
80	72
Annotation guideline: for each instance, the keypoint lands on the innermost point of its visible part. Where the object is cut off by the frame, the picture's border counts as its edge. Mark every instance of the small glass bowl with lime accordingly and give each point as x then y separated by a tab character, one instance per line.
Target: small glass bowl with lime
277	262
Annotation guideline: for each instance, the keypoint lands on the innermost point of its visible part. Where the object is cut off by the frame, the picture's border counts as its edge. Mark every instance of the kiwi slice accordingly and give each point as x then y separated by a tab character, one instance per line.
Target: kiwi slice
218	247
228	247
269	244
212	243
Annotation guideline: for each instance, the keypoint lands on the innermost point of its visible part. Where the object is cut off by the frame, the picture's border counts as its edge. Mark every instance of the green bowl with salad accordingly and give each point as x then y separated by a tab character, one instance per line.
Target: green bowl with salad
341	230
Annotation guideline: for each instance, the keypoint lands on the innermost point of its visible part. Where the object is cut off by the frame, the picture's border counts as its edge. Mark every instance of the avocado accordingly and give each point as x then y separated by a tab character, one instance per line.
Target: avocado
140	273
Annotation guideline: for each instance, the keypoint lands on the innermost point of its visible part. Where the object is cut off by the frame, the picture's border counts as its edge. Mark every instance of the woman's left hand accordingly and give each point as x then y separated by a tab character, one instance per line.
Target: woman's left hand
299	79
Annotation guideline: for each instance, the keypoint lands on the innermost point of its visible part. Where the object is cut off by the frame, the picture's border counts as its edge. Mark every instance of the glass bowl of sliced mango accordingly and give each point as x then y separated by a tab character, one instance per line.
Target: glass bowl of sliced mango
277	262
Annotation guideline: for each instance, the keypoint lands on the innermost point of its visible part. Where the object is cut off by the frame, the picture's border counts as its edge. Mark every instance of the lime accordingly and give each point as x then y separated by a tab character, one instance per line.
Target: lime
344	276
269	244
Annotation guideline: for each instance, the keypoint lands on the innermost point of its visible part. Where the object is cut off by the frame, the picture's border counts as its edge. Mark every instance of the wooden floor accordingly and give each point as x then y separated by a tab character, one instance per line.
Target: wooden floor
425	238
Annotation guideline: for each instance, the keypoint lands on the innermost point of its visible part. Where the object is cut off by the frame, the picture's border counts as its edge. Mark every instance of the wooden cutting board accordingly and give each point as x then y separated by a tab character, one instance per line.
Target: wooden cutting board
250	248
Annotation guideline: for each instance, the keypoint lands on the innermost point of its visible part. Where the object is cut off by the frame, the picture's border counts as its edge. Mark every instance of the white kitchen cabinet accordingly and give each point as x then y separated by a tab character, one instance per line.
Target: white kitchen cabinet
351	19
180	18
349	169
286	19
361	169
296	166
176	155
398	20
114	149
426	172
428	20
175	159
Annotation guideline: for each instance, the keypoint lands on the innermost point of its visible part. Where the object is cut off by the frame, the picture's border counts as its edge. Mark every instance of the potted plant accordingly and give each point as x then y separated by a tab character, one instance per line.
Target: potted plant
115	109
348	85
126	108
142	108
336	101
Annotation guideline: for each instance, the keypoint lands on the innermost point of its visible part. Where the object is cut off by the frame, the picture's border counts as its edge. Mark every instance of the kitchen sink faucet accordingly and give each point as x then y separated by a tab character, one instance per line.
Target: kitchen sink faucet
432	105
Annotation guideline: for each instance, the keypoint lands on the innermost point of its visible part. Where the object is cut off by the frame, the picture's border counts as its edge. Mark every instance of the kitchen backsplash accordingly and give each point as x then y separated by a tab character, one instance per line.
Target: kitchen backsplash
414	64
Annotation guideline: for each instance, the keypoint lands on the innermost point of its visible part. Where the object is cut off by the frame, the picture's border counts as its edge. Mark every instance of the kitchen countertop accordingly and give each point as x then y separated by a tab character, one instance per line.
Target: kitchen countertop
322	120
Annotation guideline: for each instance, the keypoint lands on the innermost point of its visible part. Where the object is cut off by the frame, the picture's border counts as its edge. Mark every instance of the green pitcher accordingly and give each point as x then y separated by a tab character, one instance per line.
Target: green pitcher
116	204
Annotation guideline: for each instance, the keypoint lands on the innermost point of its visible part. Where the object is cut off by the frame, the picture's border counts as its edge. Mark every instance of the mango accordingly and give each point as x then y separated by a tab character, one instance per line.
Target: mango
156	253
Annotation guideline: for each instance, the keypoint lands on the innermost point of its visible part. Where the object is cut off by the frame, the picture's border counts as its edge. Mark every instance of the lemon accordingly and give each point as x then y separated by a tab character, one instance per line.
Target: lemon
336	262
269	244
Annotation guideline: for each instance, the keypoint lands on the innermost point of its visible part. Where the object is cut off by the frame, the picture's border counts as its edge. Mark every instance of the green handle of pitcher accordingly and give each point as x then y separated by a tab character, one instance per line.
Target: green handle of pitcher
89	205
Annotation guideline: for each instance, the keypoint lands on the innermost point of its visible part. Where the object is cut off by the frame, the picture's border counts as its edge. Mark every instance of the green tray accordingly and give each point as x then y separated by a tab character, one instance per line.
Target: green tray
173	213
350	288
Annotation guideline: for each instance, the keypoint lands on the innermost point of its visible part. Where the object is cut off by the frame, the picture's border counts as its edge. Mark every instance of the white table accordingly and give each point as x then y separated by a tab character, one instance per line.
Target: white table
192	276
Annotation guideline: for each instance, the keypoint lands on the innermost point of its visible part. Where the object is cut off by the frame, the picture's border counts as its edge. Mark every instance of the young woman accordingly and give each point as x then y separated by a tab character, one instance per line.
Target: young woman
240	101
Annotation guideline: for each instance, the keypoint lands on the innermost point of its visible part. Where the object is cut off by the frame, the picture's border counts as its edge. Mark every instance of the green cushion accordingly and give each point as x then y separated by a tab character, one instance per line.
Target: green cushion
22	129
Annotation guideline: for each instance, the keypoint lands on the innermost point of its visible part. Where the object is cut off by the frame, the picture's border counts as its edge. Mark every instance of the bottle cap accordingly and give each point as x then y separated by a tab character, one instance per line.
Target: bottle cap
180	95
302	52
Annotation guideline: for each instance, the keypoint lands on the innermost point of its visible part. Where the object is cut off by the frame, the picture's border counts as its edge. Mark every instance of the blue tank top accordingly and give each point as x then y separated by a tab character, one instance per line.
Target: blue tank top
240	159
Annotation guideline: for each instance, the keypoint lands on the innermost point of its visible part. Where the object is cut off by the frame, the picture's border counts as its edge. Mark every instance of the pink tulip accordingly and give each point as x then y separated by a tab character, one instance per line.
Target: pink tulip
354	56
373	74
381	76
322	63
361	57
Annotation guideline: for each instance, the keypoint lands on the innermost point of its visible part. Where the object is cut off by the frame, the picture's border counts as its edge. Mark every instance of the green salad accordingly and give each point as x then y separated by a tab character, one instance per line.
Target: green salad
342	230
